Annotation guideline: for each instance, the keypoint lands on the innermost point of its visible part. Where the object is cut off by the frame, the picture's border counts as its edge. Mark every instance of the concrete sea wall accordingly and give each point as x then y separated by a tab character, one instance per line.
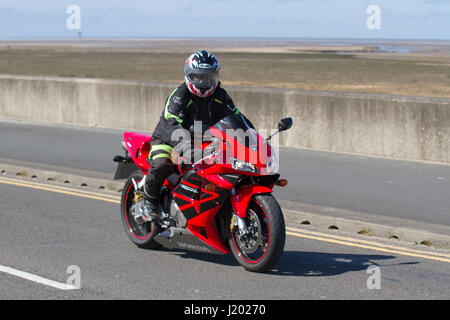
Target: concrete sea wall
404	127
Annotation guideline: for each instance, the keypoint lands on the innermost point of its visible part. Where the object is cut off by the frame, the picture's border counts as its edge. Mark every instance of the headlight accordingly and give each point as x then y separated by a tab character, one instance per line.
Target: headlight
241	165
273	165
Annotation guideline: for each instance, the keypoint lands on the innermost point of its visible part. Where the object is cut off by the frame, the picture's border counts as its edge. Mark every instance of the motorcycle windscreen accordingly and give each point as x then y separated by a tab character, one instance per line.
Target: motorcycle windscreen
239	128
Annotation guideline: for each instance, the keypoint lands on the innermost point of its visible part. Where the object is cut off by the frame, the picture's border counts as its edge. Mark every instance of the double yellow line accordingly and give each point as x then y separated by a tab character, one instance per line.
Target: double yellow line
300	233
60	189
365	244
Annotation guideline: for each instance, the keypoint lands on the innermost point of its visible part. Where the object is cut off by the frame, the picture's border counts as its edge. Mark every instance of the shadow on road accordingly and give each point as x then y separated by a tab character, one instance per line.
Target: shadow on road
318	264
303	264
226	260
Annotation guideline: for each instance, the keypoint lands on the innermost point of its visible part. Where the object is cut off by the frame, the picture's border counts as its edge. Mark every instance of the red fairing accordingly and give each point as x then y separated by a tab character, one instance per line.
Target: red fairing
205	221
202	225
241	198
138	146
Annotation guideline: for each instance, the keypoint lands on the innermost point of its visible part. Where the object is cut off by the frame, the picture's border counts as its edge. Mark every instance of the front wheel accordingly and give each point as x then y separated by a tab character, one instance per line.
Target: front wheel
262	247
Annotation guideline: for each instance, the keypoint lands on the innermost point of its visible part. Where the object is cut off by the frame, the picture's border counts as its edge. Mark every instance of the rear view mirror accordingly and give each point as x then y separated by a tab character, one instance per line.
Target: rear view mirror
285	124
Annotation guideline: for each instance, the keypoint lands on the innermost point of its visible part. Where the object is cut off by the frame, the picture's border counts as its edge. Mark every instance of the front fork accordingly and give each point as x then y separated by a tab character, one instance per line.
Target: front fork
240	200
240	223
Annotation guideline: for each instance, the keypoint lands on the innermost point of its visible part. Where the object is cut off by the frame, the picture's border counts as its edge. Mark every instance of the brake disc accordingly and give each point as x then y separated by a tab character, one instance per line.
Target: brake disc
250	242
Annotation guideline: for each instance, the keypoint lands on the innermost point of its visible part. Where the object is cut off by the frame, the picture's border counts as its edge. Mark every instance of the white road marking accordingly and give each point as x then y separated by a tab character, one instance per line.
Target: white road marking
38	279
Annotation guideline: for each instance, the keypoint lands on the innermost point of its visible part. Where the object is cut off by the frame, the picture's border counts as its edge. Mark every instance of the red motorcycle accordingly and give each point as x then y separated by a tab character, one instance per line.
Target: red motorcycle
222	203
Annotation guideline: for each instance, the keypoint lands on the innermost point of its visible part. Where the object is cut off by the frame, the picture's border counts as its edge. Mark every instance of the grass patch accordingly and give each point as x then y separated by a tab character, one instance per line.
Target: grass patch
321	71
21	174
426	243
365	232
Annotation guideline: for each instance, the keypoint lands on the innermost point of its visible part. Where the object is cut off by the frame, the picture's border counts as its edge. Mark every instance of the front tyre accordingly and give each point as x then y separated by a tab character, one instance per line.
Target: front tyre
262	247
140	234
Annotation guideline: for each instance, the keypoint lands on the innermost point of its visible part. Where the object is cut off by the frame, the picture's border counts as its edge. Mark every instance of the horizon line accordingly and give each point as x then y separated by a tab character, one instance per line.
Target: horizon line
77	38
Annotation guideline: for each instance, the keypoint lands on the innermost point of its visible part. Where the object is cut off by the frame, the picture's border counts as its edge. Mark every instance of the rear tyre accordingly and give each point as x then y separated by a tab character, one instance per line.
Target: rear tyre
261	249
140	234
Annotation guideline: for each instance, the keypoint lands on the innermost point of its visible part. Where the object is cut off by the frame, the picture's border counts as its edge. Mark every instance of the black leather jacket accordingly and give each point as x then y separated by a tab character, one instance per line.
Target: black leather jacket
183	108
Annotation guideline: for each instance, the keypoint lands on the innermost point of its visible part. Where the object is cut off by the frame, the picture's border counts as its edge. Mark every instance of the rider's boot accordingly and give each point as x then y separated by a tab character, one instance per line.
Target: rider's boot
153	213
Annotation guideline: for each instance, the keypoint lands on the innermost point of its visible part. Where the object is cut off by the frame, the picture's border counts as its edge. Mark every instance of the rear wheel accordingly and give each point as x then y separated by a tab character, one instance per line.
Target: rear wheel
141	234
262	247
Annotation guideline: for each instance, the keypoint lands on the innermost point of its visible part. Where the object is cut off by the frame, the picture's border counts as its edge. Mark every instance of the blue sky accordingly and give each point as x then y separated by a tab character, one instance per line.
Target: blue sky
404	19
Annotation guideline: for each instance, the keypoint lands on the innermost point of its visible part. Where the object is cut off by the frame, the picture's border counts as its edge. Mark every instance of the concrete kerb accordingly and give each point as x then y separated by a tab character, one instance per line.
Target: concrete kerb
111	187
368	224
295	213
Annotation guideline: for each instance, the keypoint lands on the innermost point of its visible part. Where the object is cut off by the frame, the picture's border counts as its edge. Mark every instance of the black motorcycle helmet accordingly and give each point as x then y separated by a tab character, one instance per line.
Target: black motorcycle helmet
201	73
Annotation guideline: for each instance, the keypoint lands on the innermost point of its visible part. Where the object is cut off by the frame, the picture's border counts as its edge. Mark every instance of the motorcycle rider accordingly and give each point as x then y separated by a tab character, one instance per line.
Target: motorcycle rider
199	98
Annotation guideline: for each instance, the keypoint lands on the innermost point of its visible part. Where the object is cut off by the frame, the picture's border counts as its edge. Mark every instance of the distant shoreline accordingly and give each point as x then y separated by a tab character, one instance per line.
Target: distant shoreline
250	45
57	38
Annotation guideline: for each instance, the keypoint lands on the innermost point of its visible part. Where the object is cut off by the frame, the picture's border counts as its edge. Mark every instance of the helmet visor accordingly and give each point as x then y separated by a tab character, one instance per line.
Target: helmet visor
203	80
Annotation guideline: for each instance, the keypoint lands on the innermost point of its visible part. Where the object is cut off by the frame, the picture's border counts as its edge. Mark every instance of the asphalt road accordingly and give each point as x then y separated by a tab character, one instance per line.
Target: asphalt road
45	232
401	189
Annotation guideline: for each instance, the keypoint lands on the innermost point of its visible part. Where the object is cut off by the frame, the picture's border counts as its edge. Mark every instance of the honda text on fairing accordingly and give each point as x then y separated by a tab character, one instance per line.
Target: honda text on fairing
222	203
